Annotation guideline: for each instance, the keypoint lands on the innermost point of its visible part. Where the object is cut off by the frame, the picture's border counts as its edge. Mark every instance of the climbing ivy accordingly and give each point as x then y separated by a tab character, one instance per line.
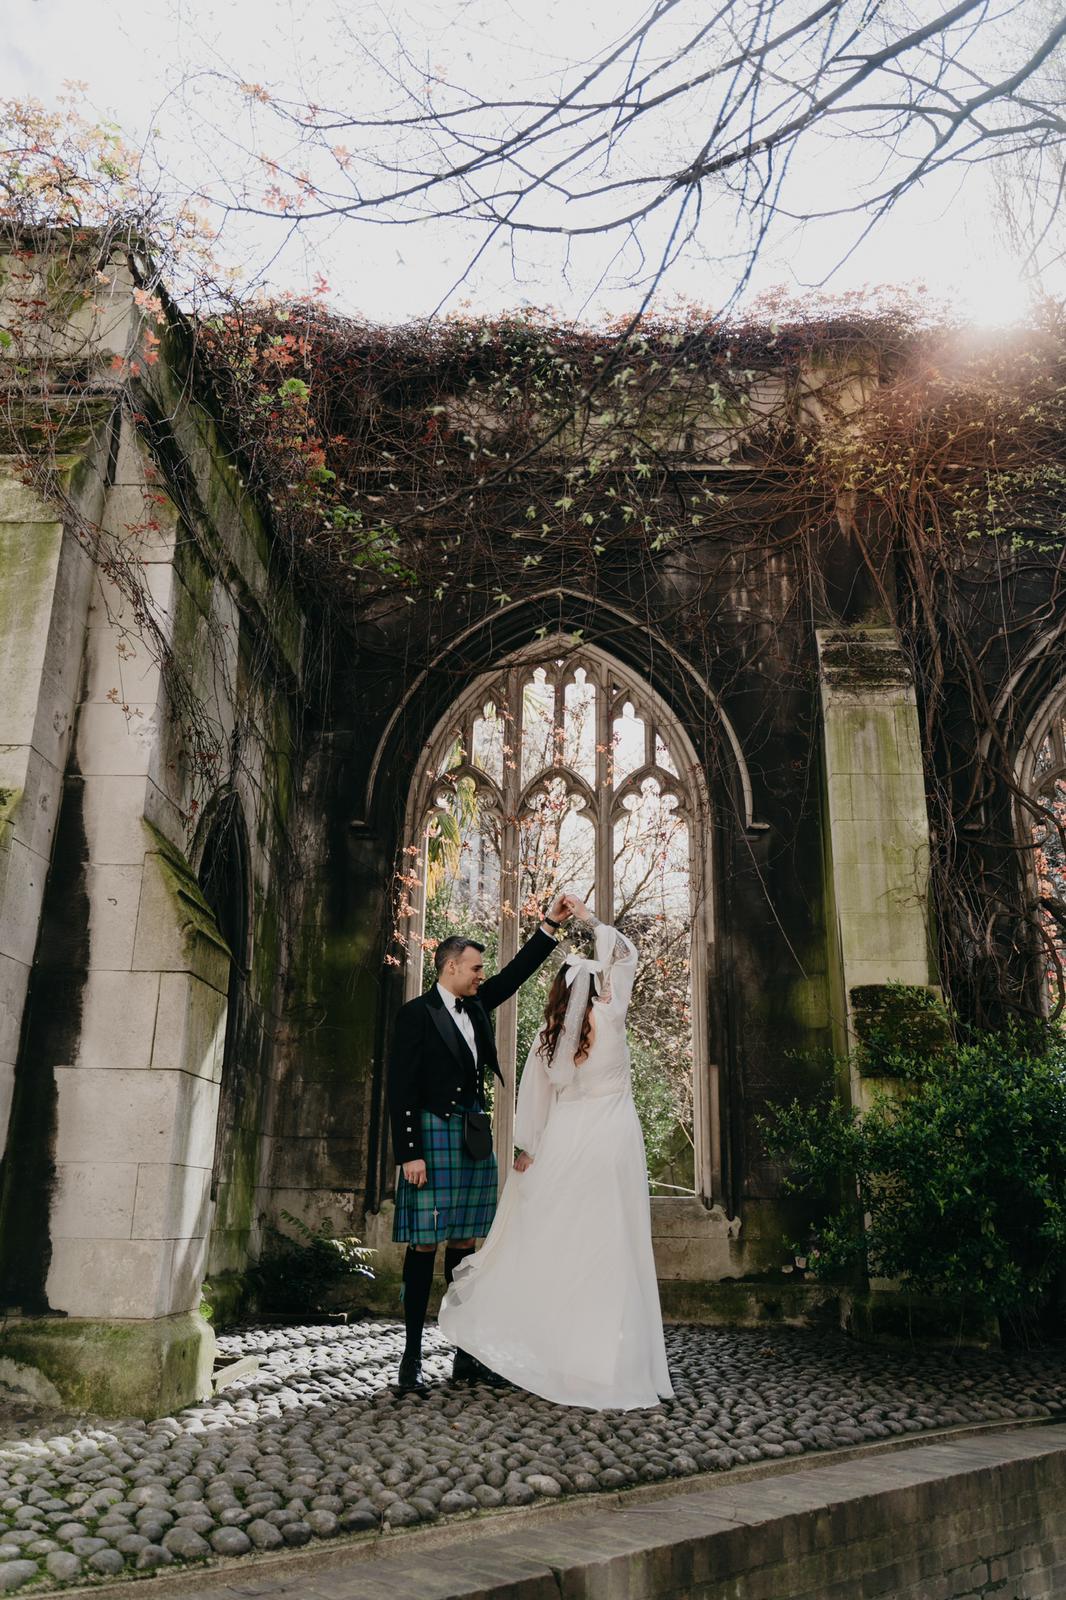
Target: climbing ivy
405	468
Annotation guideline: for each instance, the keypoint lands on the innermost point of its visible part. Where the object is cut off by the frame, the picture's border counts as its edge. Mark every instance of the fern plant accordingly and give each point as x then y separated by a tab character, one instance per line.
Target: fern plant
297	1271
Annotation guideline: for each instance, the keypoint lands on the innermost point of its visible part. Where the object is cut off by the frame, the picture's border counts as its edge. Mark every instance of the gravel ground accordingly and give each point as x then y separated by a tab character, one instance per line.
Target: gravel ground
314	1445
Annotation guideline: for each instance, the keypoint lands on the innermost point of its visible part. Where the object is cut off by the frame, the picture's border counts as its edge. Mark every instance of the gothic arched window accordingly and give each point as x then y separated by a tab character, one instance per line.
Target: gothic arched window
563	770
1043	778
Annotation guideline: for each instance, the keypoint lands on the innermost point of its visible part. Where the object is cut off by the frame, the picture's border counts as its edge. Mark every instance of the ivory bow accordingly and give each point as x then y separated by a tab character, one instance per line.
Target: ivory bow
576	964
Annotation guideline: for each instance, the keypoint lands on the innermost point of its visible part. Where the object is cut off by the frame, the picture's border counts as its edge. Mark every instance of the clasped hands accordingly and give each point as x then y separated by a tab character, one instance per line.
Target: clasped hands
565	906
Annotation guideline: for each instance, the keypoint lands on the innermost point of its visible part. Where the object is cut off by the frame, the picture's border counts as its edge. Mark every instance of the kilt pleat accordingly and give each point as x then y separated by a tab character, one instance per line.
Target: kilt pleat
459	1198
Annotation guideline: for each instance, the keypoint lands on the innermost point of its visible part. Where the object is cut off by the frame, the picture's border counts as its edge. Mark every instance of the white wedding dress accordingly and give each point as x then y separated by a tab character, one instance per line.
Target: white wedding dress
562	1298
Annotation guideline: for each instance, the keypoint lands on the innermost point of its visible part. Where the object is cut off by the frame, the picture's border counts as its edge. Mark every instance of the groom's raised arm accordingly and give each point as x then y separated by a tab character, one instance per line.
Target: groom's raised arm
533	954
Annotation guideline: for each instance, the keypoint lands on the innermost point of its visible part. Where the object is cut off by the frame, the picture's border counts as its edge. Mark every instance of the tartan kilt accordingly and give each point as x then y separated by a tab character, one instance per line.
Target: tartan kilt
460	1191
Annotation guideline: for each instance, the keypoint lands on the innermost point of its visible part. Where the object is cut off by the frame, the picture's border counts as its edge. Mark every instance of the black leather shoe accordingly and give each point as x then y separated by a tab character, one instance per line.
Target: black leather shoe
465	1369
492	1379
410	1376
468	1369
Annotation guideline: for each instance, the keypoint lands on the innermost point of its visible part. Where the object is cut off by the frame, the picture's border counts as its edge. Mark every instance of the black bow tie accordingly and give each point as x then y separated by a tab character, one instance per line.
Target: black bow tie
460	1005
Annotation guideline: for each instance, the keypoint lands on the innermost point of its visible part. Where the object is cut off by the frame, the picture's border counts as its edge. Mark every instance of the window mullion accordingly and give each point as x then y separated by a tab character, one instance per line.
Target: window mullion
604	796
510	888
1058	743
416	922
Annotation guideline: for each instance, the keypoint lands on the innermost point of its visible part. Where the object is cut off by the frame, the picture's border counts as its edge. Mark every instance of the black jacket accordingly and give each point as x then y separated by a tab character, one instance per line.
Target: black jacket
430	1068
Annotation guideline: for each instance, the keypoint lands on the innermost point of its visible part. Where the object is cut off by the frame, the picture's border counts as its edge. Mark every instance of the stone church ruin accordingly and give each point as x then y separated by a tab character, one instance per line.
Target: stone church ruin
656	655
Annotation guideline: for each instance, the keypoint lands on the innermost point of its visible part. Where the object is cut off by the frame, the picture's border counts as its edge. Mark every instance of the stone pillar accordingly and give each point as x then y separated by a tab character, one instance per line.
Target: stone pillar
877	823
125	1032
44	583
877	883
53	309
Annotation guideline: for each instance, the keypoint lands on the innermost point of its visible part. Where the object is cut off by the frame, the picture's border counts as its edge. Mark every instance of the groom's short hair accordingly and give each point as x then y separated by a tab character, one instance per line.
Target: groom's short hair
452	948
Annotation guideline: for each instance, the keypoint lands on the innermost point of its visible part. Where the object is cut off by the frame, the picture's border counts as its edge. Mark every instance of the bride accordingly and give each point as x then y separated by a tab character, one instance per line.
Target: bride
562	1297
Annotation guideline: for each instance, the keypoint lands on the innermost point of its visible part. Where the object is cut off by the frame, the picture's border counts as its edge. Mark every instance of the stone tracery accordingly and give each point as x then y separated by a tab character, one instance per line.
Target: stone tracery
562	770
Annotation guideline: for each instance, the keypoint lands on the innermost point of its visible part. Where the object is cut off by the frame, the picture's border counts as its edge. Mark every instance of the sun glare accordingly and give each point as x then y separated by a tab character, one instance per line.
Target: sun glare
994	295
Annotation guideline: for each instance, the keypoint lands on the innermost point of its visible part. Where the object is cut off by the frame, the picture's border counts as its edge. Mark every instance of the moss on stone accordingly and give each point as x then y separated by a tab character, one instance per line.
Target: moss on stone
142	1369
29	552
772	1222
849	721
896	1316
66	281
748	1303
808	1002
224	1297
858	658
228	521
266	941
197	587
196	918
235	1207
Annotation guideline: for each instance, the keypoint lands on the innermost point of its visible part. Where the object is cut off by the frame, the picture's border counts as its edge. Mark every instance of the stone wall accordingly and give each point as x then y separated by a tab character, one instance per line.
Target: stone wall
773	999
807	730
44	586
963	1520
165	1094
152	678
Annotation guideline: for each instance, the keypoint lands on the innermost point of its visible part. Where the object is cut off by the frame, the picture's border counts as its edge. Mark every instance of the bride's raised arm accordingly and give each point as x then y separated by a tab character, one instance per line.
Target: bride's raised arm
618	957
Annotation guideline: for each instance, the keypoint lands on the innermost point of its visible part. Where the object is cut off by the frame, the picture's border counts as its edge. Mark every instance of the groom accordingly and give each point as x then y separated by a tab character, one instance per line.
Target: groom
442	1047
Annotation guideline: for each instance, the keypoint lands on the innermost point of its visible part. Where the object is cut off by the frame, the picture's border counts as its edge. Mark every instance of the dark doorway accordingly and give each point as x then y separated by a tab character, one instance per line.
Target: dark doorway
224	880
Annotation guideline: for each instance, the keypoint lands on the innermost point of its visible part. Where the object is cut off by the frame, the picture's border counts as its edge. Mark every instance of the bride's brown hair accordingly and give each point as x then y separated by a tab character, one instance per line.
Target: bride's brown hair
555	1011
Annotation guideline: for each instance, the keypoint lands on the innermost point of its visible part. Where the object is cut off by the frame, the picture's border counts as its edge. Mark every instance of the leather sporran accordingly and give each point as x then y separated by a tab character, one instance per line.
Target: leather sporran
477	1135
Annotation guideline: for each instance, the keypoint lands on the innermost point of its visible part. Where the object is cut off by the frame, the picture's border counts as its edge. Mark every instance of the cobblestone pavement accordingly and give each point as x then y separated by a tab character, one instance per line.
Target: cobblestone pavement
314	1445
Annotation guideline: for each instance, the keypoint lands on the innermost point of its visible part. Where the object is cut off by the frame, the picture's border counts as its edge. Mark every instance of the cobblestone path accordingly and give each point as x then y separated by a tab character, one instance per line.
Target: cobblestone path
315	1446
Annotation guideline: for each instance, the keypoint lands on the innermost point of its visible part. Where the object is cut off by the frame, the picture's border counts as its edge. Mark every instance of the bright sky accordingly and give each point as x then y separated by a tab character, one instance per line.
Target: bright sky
145	64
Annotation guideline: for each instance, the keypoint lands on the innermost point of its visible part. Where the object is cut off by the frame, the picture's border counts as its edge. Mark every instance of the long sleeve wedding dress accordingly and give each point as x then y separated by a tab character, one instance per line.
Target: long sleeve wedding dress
562	1297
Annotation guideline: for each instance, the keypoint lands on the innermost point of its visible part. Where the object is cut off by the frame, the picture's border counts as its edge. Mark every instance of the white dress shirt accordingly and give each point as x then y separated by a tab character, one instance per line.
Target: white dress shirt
462	1019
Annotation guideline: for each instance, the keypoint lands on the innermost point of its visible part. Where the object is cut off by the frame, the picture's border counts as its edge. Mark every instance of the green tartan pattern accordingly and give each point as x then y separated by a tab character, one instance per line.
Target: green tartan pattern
459	1199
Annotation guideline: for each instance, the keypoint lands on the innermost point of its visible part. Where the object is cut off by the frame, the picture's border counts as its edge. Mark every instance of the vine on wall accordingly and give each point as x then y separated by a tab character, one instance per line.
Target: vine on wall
501	458
406	470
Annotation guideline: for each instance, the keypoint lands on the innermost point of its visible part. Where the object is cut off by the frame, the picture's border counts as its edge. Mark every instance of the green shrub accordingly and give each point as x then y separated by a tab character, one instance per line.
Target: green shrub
668	1148
961	1178
898	1025
297	1274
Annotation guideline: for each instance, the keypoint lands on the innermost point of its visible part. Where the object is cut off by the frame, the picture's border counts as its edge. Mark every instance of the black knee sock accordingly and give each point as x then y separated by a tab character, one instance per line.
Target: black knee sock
417	1283
453	1254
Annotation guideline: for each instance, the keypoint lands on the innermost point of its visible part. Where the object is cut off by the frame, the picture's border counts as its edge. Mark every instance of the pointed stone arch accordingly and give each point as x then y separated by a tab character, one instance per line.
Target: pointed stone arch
571	614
